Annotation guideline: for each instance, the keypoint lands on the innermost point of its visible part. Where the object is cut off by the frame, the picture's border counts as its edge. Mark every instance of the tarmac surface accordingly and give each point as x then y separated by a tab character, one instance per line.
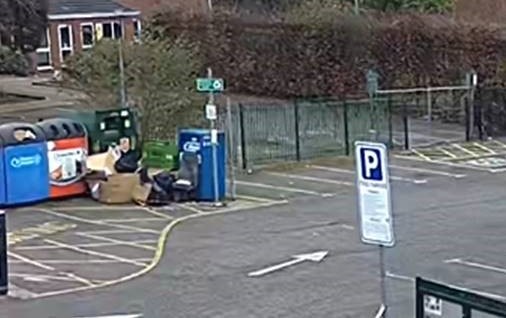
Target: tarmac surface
76	258
449	222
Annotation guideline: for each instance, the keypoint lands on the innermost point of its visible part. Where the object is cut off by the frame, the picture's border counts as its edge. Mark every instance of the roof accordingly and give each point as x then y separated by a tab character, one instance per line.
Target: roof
79	9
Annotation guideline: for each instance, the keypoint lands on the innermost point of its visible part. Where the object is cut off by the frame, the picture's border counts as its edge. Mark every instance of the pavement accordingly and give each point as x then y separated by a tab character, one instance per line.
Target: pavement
449	225
46	100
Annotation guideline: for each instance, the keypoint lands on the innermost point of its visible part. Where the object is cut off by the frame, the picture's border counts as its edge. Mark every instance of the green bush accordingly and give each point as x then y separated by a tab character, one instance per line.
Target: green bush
12	62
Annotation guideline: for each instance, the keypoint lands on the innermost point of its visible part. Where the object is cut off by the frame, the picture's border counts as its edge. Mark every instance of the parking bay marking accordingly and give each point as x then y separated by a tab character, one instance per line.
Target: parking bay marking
429	171
78	262
116	316
338	170
53	247
313	179
79	219
118	242
94	253
280	188
476	265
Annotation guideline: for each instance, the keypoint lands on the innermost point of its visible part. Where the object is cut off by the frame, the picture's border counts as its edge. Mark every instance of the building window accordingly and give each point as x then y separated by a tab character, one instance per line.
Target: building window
107	30
137	29
118	30
87	35
44	53
65	41
112	30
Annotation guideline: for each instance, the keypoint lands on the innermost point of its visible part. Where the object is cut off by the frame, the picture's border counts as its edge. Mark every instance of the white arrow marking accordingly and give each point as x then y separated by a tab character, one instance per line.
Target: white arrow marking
116	316
313	257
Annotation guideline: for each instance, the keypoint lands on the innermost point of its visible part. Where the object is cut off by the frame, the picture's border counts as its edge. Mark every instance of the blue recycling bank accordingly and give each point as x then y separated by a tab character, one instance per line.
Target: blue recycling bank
23	165
199	141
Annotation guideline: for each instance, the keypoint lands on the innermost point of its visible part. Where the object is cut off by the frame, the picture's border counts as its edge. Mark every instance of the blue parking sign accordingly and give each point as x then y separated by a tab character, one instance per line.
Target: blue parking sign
371	161
374	202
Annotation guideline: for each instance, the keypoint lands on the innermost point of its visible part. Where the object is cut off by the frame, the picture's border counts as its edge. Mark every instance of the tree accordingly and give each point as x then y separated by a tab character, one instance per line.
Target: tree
160	77
23	23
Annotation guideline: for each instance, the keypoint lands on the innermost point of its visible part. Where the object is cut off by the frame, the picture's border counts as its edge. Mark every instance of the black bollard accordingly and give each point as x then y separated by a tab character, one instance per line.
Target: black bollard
4	281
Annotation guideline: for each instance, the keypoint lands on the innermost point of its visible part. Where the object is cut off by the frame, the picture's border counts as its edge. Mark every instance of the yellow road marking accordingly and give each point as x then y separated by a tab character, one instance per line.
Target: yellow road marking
446	152
478	145
465	150
162	240
421	155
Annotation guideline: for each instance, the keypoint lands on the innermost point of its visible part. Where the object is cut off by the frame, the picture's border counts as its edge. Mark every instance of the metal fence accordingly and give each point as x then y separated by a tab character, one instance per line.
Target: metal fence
490	112
303	129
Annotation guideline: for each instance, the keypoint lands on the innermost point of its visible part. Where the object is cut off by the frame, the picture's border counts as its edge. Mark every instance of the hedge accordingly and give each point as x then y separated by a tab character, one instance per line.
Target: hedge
287	60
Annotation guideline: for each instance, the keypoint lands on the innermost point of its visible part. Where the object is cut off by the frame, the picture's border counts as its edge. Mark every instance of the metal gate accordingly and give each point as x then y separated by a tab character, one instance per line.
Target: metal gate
432	298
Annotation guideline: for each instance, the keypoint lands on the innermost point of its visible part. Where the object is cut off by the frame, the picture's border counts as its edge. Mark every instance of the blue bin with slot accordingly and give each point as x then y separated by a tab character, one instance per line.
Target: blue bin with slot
24	165
199	141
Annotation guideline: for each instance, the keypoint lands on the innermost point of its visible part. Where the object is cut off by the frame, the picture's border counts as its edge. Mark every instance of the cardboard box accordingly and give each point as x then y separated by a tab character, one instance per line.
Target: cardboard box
103	161
141	193
117	189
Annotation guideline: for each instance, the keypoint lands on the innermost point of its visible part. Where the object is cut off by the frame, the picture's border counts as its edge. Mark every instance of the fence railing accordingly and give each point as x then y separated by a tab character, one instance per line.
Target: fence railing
305	129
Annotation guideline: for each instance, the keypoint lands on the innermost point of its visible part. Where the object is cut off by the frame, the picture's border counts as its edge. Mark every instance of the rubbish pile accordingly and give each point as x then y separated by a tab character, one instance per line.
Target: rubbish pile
117	176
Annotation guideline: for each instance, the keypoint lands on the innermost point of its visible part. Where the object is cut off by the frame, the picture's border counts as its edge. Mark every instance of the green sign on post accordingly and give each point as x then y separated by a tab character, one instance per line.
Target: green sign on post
210	85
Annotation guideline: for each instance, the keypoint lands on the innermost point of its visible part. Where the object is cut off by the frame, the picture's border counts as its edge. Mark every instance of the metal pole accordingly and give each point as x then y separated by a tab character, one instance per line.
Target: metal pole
231	147
4	277
382	280
429	104
121	67
357	7
214	135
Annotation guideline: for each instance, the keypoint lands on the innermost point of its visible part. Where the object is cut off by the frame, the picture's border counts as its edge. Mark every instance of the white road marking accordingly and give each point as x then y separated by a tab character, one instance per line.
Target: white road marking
97	208
399	277
79	219
86	261
296	259
190	208
482	147
429	171
309	178
279	188
450	164
115	232
134	220
116	316
30	261
94	253
381	311
160	214
476	265
469	152
118	242
257	199
41	278
345	171
53	247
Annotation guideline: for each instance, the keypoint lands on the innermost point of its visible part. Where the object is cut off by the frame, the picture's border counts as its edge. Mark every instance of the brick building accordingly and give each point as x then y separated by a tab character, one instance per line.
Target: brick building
76	25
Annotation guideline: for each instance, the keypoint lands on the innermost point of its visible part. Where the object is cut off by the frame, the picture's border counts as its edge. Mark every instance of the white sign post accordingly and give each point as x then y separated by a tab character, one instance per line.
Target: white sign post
374	201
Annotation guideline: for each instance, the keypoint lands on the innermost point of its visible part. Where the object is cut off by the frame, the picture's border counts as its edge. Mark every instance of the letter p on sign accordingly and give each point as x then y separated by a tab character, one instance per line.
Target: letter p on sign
370	160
